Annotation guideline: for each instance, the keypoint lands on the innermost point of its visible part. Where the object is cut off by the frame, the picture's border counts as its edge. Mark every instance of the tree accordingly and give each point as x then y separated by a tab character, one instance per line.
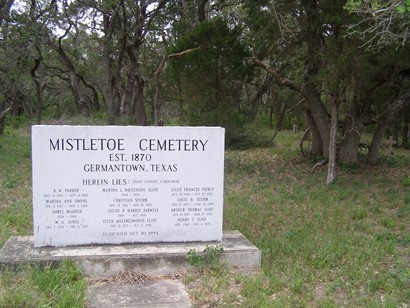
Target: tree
313	33
17	62
5	7
209	65
385	24
331	170
69	51
382	22
126	25
293	23
4	17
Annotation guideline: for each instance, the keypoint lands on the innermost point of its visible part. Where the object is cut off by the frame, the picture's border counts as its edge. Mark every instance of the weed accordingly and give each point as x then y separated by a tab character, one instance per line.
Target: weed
388	223
405	181
64	284
359	214
209	257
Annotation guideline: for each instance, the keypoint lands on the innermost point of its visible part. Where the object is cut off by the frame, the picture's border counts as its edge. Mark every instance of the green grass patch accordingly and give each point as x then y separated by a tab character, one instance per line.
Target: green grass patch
51	286
15	186
15	219
343	245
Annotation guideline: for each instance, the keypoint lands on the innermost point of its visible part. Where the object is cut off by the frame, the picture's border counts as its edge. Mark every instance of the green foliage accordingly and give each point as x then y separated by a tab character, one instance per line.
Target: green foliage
405	181
209	257
397	160
215	50
404	8
16	122
208	63
248	138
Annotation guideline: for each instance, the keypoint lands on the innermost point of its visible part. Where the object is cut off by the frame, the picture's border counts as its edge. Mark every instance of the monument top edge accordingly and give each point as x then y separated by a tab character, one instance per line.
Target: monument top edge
129	126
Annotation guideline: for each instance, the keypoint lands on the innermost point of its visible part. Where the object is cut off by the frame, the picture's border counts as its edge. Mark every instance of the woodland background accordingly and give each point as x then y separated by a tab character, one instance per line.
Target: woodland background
336	69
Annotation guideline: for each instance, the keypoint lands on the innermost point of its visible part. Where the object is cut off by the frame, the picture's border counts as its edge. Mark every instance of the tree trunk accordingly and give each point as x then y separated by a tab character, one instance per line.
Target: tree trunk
271	116
126	94
312	23
3	113
395	131
349	146
2	122
110	22
331	169
140	102
279	120
201	14
377	139
257	99
80	98
156	105
40	86
317	145
137	82
386	119
320	118
406	129
112	105
406	134
95	101
280	111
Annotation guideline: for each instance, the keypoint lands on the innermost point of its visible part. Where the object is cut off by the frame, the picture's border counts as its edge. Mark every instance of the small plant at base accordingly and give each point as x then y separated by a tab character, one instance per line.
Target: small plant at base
194	258
209	256
405	181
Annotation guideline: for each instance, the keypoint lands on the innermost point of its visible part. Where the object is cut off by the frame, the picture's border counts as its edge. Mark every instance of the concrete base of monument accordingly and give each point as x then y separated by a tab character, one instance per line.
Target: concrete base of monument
107	260
157	293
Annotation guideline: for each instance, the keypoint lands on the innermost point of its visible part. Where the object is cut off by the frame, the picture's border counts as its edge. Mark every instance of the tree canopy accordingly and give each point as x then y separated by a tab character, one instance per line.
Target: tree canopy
213	62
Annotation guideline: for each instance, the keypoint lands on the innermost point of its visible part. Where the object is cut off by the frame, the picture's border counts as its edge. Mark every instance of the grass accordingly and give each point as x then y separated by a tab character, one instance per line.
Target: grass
327	246
29	286
33	286
15	185
347	244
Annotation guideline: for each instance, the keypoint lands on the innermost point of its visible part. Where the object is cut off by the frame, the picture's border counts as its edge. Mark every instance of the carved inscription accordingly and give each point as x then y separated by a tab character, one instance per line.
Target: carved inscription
68	207
126	184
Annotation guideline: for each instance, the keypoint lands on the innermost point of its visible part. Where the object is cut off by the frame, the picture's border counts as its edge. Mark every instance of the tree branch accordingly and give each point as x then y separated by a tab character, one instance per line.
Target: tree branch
4	112
396	106
178	54
294	107
278	78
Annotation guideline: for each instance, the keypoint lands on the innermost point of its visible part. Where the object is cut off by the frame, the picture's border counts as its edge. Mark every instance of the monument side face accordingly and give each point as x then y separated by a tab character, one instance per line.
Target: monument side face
113	185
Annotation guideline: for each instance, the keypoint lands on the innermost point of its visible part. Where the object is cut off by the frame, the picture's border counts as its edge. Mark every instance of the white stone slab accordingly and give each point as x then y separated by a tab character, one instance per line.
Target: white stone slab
126	184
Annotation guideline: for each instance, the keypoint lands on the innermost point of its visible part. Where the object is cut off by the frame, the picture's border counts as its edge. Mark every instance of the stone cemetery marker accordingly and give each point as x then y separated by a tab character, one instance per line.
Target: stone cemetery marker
126	184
